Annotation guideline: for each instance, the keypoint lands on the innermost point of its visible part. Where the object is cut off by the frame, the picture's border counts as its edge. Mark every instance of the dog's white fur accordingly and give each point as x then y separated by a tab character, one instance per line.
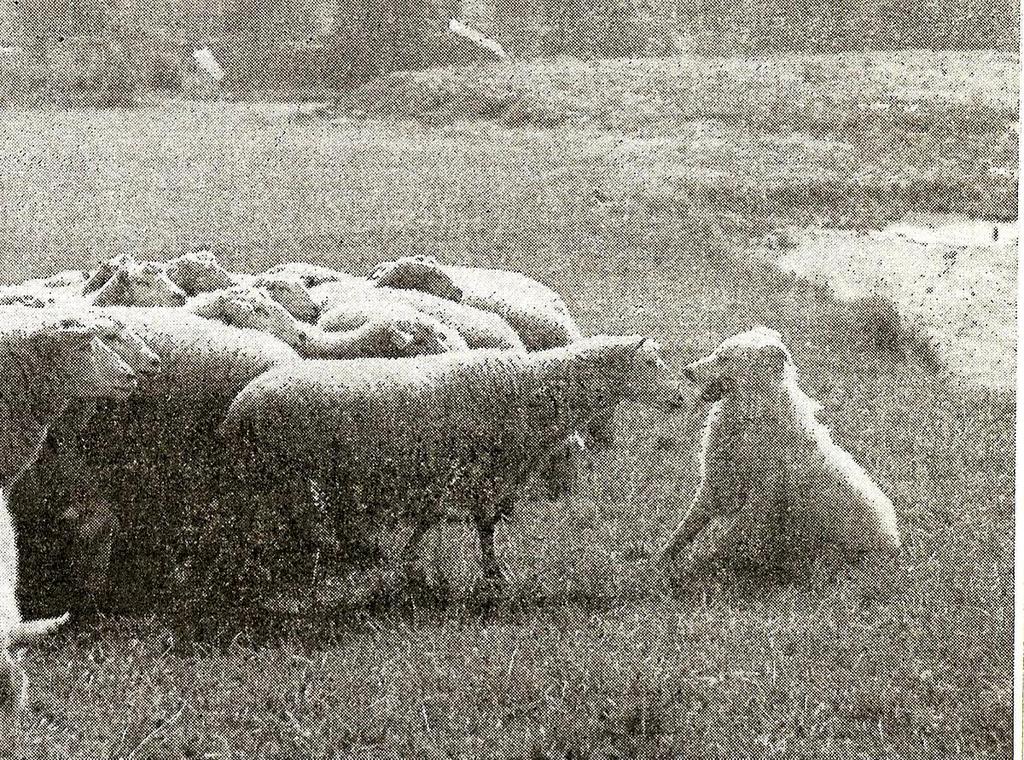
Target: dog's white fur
771	467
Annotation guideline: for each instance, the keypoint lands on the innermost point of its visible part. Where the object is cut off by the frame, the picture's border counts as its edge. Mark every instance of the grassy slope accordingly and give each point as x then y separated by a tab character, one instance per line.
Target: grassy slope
910	660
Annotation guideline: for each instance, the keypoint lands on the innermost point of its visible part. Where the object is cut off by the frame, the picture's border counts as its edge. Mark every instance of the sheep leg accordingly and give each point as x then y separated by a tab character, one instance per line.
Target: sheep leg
492	574
409	559
95	538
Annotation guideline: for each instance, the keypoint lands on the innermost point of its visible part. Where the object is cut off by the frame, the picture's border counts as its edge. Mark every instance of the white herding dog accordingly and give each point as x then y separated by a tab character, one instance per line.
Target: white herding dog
770	467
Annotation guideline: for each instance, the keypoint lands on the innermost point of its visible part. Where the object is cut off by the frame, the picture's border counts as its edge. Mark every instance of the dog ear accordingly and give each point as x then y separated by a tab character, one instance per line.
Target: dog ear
763	330
776	356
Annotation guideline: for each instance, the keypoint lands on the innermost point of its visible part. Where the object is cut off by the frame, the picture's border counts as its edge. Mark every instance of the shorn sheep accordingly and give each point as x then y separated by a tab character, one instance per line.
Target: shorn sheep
415	439
42	369
538	314
770	467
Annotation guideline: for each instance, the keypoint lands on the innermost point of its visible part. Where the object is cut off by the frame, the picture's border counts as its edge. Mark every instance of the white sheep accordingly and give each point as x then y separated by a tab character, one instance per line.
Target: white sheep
123	281
90	525
198	272
417	438
537	313
289	291
250	308
344	304
311	275
386	336
147	460
42	369
771	467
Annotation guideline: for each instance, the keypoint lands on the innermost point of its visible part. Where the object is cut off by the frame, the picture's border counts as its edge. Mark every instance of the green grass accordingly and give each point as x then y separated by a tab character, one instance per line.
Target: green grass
642	230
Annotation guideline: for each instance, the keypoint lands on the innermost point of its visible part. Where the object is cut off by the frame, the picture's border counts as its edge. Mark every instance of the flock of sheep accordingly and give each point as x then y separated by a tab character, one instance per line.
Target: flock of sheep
140	392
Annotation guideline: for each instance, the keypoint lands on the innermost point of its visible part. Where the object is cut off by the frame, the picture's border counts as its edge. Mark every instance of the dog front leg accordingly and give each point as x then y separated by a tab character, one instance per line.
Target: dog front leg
703	507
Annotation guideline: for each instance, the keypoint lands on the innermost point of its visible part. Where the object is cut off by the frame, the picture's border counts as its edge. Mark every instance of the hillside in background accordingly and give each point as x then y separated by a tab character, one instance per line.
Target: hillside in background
96	51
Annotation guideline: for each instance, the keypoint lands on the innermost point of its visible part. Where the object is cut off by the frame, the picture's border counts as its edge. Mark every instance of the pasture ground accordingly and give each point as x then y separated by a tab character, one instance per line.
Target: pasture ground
647	225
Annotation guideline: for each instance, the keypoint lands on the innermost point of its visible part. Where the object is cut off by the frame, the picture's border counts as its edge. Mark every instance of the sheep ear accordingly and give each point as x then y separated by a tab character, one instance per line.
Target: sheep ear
401	339
243	305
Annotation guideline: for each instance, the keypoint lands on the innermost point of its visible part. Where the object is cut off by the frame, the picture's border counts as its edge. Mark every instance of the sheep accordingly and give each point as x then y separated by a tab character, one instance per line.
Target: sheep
384	336
198	272
538	314
311	275
42	367
291	293
415	438
771	467
248	307
93	533
44	291
154	457
347	305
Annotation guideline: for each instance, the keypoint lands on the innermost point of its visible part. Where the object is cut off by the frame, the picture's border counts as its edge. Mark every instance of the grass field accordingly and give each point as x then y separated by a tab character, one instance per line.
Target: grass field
650	225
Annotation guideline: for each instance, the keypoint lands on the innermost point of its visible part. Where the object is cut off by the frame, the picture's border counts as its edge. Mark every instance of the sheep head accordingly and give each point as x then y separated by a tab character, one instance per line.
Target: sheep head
80	365
289	291
140	285
198	272
423	273
128	345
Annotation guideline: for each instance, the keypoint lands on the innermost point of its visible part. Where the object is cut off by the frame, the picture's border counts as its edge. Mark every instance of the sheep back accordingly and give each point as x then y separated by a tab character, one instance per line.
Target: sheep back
480	329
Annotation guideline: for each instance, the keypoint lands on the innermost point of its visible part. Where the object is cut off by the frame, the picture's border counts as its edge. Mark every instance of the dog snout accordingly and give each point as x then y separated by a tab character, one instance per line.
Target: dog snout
680	398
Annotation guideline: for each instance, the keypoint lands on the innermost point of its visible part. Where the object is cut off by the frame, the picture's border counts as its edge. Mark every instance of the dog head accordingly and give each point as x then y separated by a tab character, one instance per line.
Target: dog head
755	356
